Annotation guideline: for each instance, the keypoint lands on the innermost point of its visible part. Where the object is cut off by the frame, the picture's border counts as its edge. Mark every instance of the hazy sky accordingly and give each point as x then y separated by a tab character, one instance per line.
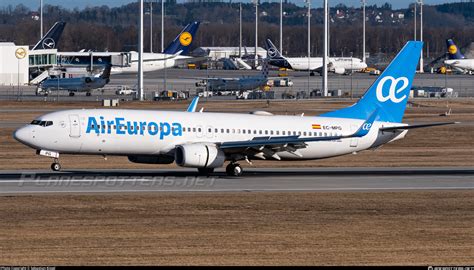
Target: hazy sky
32	4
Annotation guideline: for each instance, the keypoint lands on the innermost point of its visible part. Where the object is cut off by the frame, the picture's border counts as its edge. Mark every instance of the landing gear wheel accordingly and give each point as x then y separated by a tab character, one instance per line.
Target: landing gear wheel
205	171
56	167
88	94
71	94
233	169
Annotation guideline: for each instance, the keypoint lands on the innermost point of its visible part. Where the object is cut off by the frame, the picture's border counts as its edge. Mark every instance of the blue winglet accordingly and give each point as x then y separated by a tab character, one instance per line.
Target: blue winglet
193	105
367	125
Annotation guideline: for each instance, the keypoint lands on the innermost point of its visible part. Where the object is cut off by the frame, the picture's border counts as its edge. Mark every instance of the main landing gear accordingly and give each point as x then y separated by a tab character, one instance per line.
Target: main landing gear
233	169
56	166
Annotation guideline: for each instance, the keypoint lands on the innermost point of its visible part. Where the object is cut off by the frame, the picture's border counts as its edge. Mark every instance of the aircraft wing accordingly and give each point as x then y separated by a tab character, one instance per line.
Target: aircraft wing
163	58
186	60
401	128
269	146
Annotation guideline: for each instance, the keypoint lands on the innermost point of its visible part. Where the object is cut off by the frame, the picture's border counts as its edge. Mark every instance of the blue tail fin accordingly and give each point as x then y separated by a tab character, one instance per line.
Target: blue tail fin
453	50
389	94
183	41
51	39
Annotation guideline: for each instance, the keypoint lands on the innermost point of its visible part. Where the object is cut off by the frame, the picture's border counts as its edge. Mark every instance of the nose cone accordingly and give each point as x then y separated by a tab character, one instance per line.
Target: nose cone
22	135
364	65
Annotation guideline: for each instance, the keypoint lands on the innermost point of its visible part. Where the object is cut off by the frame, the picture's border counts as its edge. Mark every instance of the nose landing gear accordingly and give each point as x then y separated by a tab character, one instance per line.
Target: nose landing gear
233	169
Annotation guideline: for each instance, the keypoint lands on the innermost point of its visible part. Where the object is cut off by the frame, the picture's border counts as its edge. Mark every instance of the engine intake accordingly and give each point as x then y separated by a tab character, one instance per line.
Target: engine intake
340	70
199	156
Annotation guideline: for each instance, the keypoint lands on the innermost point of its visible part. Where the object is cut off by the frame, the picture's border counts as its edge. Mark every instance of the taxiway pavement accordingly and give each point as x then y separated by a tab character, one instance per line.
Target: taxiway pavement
253	180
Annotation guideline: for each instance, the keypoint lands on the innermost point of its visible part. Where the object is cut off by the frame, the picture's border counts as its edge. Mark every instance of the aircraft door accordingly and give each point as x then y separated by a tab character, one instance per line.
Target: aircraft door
75	127
354	141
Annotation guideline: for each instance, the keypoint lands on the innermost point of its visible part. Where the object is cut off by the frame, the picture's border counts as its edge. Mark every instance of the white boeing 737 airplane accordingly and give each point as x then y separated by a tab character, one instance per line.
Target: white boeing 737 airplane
207	140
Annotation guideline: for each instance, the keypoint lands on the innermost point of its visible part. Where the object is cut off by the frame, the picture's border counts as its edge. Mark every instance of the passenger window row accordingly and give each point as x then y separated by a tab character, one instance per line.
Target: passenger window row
262	132
224	130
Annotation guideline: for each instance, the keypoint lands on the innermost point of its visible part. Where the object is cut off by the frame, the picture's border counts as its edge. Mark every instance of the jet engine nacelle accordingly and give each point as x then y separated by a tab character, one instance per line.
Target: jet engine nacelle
199	156
160	159
340	70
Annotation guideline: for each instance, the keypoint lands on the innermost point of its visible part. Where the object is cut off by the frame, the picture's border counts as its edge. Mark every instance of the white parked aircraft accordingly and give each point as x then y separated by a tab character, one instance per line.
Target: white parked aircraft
207	140
338	65
457	59
237	84
173	55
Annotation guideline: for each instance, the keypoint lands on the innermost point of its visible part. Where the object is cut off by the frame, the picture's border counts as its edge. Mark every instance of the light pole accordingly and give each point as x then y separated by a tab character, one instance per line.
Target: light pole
41	17
325	50
151	26
308	2
281	26
364	2
256	31
351	73
414	18
421	33
162	25
240	30
140	53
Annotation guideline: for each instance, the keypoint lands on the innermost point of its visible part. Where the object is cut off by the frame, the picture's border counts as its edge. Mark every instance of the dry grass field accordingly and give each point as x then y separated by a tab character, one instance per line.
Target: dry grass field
386	228
439	146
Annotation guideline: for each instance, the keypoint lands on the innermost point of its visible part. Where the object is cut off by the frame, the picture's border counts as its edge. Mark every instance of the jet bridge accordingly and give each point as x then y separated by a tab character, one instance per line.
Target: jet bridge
90	59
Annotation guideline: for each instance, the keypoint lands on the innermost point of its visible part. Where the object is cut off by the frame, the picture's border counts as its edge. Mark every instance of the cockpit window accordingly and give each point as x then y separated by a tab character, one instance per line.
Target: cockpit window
42	123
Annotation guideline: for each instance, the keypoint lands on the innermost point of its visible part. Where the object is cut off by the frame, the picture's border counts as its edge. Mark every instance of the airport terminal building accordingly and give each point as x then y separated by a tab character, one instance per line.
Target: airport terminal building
17	61
21	66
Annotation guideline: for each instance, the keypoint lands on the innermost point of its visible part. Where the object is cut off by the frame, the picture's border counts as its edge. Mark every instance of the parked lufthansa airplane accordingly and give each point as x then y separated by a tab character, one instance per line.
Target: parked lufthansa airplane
338	65
207	140
173	55
457	59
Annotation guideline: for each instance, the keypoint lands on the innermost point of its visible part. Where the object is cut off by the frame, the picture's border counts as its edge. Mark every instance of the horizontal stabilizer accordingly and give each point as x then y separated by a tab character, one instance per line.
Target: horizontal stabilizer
417	126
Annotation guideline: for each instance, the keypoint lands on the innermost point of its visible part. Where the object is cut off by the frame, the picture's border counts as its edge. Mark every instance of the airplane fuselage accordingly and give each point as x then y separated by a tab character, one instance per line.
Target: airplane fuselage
316	63
82	84
465	64
143	132
151	62
238	84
